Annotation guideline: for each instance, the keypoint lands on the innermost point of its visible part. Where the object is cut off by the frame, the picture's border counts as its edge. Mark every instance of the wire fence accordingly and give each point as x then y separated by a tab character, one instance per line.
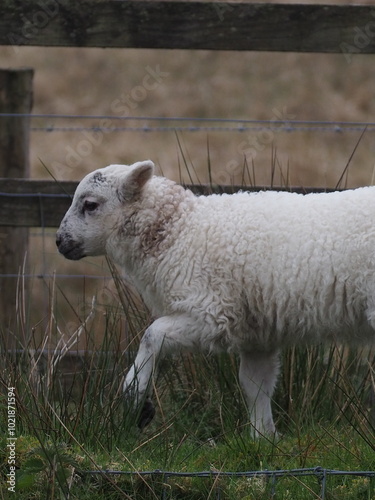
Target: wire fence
271	477
189	124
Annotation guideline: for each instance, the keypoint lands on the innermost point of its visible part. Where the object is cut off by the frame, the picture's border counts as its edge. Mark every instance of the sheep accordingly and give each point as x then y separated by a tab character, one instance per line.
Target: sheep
249	273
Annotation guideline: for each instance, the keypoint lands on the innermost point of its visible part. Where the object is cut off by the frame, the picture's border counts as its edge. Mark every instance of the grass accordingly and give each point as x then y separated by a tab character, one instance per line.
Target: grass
70	424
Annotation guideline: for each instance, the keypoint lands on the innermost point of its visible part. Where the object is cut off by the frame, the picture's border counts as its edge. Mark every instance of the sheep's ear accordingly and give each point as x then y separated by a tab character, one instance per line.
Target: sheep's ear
134	181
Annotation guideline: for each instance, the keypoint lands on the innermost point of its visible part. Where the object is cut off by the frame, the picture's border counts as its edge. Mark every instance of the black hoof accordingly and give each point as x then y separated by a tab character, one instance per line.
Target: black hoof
146	415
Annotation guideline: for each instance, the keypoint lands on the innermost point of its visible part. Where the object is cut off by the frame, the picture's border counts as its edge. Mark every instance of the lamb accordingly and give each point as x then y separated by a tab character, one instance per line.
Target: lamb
249	273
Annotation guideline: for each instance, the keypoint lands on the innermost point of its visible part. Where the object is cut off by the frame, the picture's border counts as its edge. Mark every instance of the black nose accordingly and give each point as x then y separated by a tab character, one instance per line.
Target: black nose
58	240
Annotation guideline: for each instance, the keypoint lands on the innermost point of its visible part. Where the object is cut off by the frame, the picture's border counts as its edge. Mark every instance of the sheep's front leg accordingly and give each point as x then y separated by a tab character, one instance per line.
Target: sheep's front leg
258	376
165	335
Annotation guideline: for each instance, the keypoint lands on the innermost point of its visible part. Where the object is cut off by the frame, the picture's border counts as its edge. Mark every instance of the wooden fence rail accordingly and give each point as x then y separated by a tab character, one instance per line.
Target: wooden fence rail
40	203
33	203
210	25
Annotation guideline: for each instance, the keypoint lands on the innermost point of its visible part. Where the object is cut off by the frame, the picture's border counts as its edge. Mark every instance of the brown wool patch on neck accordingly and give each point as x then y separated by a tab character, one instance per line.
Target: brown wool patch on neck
159	234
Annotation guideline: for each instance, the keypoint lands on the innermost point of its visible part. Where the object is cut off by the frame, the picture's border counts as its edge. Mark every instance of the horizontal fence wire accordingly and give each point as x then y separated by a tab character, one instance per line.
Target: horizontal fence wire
35	195
189	124
321	474
53	276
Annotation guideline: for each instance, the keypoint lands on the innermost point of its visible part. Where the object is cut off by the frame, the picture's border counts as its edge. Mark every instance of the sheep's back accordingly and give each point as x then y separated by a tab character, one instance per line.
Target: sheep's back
276	265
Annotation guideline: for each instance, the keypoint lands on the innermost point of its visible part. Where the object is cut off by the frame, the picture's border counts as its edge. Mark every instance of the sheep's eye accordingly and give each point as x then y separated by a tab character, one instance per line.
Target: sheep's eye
90	206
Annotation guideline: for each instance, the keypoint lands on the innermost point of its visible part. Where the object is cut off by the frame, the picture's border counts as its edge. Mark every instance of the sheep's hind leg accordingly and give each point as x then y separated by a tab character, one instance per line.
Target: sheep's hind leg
258	375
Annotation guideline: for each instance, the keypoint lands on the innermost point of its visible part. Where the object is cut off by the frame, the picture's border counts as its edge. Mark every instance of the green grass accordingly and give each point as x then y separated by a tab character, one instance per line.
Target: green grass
69	425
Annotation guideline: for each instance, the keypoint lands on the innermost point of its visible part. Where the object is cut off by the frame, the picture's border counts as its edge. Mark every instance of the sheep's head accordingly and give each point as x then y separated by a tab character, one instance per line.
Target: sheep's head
96	207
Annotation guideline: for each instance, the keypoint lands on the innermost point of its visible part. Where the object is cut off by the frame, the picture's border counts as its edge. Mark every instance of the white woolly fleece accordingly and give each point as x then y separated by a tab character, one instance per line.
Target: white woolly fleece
266	269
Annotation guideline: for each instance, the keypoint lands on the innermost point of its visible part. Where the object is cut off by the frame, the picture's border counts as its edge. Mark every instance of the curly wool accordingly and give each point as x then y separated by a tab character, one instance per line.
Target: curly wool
269	269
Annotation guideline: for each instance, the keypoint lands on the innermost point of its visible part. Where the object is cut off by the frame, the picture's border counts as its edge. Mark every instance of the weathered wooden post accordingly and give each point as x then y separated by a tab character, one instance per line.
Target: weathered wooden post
15	98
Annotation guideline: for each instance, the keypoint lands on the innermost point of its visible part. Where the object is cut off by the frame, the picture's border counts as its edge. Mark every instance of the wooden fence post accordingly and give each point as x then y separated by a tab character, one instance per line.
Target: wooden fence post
15	97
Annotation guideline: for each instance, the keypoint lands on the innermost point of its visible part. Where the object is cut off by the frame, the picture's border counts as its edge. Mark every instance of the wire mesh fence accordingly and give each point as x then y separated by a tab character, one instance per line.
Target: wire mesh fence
271	477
